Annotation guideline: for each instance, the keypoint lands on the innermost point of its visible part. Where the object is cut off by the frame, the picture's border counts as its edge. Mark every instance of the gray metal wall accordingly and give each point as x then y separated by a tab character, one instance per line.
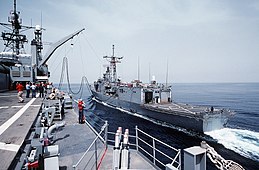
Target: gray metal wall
4	81
130	94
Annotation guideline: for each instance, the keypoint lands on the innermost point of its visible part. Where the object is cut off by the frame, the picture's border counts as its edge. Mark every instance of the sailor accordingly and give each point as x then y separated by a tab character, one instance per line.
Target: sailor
33	90
96	86
80	110
212	109
41	89
19	88
62	101
28	89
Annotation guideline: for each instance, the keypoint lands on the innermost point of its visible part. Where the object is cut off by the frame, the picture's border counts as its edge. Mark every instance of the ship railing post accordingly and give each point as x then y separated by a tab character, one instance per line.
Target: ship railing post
95	147
106	134
154	152
180	160
136	138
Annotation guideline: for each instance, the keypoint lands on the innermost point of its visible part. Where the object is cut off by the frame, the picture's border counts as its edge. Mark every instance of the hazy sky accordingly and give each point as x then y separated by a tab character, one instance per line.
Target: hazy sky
202	40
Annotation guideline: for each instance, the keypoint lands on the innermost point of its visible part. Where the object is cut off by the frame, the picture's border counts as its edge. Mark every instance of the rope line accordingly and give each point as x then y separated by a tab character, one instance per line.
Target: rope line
64	72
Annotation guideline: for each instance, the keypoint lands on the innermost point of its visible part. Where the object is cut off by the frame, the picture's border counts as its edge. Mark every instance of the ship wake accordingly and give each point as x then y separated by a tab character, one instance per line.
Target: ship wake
243	142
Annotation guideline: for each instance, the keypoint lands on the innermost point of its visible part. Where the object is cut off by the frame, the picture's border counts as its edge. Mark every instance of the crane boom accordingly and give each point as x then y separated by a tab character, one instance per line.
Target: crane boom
56	45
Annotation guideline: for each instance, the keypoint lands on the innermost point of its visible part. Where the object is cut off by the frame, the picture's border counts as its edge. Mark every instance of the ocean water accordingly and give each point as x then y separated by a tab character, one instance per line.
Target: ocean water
239	141
242	132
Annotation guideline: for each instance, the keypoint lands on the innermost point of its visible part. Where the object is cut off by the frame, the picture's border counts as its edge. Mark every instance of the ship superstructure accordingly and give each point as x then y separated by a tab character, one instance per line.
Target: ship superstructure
15	64
22	66
154	101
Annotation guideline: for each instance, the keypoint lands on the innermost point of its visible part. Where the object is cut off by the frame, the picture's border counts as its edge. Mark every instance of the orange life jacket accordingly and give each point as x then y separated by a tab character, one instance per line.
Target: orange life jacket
19	87
80	105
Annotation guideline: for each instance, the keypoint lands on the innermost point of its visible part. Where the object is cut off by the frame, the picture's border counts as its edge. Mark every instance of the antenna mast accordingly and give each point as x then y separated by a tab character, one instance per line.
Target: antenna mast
14	40
41	19
112	50
14	6
138	69
149	73
113	60
166	81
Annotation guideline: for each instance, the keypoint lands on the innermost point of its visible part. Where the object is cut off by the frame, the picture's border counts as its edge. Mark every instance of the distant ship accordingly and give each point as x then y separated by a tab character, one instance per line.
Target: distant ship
154	101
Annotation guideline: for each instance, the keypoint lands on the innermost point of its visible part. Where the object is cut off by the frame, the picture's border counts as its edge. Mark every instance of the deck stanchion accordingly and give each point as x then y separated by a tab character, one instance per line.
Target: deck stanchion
136	137
180	161
154	152
95	147
106	133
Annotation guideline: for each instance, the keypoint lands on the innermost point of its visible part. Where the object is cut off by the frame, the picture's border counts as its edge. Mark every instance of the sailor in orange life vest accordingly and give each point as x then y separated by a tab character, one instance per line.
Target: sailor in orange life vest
19	88
81	110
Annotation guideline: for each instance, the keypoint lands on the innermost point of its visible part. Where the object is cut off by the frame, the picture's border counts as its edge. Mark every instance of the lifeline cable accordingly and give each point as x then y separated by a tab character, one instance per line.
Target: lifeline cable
65	71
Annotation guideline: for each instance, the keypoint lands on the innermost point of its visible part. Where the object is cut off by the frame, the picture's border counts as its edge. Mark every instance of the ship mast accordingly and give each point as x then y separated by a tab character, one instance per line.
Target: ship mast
166	79
14	40
113	61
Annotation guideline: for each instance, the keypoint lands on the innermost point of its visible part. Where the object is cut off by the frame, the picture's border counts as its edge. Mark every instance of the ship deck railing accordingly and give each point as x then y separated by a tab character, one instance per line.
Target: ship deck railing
90	158
156	152
150	148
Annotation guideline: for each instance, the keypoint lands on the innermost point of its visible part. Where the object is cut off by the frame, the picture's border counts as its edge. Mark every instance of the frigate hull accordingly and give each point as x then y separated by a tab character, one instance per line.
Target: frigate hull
177	119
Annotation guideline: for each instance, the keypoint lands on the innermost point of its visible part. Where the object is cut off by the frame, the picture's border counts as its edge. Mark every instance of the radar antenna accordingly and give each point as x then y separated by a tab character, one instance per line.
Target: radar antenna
112	70
13	40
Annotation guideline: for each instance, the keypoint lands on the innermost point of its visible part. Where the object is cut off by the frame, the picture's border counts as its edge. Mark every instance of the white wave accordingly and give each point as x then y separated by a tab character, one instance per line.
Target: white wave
105	104
243	142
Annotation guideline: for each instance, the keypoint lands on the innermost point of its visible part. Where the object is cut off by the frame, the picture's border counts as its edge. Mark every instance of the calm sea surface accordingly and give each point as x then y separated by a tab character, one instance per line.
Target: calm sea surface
239	141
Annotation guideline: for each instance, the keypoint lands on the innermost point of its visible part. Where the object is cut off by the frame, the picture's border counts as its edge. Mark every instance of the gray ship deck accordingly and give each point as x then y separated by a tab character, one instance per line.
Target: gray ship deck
74	139
182	108
16	120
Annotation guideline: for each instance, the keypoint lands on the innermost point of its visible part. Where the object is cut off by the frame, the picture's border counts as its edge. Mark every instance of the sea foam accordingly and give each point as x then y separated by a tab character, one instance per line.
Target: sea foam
243	142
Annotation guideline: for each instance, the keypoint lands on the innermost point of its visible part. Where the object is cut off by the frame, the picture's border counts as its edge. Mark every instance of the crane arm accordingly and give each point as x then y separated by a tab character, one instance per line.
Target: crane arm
56	45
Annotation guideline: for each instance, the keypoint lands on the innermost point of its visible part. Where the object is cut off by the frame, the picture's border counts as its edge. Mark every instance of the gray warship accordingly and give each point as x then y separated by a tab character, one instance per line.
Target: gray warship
43	134
154	101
